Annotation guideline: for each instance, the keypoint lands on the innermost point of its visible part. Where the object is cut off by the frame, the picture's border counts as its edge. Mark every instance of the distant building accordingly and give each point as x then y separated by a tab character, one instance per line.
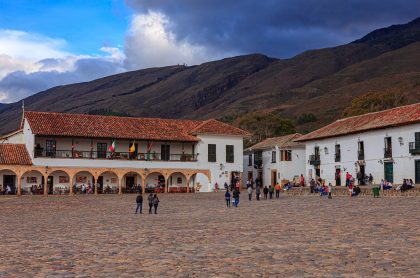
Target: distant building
275	160
119	154
385	144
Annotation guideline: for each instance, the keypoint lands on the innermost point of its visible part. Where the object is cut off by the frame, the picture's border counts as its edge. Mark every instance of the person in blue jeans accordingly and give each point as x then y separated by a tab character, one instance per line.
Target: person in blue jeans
227	198
139	201
236	197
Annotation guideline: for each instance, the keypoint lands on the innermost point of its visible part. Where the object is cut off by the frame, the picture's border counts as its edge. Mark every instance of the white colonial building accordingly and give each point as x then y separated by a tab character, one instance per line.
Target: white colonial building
276	159
56	153
385	144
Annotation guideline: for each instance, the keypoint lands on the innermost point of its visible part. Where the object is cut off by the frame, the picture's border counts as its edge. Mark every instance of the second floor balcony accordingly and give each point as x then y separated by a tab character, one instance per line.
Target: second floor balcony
76	154
314	160
414	147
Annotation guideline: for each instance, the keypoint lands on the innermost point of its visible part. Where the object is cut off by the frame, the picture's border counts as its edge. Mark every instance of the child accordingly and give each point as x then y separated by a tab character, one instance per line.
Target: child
227	198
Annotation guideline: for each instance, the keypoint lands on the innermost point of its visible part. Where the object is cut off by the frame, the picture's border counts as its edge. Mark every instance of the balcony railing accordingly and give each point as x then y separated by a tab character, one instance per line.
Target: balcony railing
360	155
337	157
75	154
387	153
414	147
314	160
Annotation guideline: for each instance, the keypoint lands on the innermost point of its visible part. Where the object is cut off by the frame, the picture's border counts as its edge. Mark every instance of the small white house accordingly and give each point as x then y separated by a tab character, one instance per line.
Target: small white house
385	144
275	160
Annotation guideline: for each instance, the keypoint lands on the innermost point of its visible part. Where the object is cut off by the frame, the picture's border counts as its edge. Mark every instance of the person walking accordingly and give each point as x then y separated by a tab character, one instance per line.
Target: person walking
249	190
227	198
150	200
257	192
265	191
155	202
271	191
329	191
139	201
277	187
236	197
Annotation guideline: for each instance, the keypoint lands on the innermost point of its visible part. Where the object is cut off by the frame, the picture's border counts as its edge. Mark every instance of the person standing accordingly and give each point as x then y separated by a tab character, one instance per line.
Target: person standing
329	191
249	190
265	191
139	201
302	180
257	192
348	177
277	187
155	202
150	200
236	197
227	198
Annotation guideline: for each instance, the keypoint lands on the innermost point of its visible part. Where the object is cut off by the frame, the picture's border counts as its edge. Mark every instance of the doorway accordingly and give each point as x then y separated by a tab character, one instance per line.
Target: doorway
11	181
273	177
317	172
417	171
130	184
50	184
389	171
338	176
362	175
100	181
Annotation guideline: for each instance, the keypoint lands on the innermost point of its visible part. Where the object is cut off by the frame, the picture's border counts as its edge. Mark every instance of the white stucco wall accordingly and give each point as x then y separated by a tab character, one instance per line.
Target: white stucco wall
403	161
29	138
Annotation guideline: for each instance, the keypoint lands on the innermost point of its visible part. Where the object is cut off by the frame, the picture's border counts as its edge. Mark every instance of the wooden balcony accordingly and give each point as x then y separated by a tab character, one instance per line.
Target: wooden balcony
414	147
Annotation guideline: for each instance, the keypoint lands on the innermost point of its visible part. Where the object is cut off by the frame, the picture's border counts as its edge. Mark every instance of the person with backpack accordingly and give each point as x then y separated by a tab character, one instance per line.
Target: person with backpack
155	202
150	200
227	198
139	201
271	191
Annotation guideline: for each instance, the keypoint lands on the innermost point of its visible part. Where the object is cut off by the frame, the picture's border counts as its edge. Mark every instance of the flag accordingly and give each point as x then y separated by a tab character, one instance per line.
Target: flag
150	147
112	147
133	147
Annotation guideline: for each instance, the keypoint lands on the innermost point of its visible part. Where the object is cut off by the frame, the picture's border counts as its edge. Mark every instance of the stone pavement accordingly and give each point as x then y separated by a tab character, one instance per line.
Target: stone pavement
195	235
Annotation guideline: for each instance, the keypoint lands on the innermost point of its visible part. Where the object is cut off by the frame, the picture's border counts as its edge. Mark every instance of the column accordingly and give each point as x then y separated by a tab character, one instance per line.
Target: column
95	183
19	185
120	185
166	185
71	185
46	185
188	183
143	186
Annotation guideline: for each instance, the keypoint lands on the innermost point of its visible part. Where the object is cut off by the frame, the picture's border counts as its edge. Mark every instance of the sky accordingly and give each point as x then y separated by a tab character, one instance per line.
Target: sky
46	43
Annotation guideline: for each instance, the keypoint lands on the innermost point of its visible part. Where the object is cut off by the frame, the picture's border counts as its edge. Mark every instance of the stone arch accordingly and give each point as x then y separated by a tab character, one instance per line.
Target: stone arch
61	180
132	181
9	177
108	182
199	181
177	182
155	181
32	182
80	178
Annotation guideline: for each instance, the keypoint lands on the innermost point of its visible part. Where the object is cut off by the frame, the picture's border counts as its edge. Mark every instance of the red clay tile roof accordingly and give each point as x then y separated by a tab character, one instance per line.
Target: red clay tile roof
399	116
14	154
95	126
213	126
287	141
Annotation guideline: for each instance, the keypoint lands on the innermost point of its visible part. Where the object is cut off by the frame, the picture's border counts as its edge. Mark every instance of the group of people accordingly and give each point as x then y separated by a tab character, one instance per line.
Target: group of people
407	184
5	190
153	201
233	192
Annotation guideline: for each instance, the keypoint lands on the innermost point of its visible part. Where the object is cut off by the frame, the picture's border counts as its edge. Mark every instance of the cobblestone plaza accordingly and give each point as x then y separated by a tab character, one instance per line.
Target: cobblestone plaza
195	235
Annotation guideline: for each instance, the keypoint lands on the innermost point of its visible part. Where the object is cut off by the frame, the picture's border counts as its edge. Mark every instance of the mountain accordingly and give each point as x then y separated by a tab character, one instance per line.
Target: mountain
322	82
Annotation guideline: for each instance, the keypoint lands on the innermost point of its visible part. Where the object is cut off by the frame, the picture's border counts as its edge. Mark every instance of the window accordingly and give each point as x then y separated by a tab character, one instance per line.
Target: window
165	152
258	160
250	160
212	153
337	153
273	157
229	154
101	149
361	151
50	148
388	147
179	180
286	155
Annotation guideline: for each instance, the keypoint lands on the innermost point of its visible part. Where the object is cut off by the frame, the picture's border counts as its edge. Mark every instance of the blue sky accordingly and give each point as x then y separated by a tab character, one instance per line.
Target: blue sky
86	25
56	42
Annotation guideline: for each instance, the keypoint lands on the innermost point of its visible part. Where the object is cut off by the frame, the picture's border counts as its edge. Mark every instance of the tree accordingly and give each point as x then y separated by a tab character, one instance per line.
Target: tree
375	101
264	125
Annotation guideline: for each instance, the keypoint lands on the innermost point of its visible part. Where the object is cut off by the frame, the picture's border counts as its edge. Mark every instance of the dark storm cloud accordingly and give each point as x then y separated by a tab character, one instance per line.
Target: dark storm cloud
277	27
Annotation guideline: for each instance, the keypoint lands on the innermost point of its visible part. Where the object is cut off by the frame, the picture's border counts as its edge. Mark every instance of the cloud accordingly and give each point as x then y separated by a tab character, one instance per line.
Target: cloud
279	28
150	43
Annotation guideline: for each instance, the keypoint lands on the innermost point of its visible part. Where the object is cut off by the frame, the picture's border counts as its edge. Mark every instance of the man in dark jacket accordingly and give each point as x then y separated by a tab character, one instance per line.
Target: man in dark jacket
235	196
139	201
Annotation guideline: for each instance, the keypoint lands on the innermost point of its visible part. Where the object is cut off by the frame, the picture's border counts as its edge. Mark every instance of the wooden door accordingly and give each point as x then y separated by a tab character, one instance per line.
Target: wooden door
389	171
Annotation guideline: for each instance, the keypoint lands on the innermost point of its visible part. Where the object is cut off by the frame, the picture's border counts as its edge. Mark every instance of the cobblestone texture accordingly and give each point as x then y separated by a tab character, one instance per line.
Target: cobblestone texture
195	235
